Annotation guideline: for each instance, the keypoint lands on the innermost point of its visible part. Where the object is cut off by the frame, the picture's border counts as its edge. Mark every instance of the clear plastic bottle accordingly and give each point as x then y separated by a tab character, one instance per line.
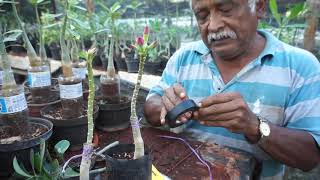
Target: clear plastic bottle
13	111
110	88
79	68
71	96
39	80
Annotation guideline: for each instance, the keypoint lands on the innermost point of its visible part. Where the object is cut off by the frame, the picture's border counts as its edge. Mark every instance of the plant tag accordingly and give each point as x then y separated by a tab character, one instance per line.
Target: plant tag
39	79
70	91
13	104
80	72
1	77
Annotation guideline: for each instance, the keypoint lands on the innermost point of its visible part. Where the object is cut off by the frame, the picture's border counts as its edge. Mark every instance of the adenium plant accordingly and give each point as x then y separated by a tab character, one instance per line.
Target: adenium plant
142	47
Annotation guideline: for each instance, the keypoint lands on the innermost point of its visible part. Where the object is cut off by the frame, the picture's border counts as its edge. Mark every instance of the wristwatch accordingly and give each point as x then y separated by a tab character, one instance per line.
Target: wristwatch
264	129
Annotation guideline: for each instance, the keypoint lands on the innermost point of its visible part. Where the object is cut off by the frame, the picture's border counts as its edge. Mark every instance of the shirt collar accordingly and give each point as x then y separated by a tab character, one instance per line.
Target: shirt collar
272	46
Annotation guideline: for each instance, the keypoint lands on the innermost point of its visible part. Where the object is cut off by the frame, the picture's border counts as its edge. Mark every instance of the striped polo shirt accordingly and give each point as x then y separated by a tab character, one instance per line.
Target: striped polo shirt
281	85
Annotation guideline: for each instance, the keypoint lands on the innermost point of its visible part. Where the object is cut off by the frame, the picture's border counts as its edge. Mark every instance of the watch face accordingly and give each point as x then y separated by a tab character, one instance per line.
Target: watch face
264	129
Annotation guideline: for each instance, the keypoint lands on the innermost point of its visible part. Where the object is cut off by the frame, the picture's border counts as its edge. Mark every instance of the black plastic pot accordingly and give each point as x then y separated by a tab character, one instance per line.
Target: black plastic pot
114	117
132	65
122	169
34	109
55	51
151	67
74	130
22	149
120	64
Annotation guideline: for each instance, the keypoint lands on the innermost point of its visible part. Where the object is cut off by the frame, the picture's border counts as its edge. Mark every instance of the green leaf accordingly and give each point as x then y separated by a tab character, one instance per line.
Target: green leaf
18	169
294	12
80	8
42	151
84	55
274	10
32	160
62	146
37	162
70	173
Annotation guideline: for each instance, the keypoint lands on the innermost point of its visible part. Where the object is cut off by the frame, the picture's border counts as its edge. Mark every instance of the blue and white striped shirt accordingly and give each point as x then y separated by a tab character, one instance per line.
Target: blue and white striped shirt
282	85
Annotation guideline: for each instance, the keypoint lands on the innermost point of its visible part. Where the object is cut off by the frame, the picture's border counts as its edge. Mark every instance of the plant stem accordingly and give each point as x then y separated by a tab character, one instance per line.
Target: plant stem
42	50
138	141
88	147
8	78
66	65
110	69
33	58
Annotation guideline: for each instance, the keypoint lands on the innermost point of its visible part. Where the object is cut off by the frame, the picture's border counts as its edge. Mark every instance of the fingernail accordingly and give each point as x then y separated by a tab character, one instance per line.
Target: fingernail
201	122
182	95
183	119
162	121
199	104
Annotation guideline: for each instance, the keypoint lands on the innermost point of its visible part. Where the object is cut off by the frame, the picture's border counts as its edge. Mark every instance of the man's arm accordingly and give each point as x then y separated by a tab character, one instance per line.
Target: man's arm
294	148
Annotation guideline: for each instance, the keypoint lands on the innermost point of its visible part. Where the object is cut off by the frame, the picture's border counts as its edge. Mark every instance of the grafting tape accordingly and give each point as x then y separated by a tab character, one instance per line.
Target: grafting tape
183	107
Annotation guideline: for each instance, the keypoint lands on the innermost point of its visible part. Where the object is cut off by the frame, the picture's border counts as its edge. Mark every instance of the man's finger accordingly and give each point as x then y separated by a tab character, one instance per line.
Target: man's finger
179	91
172	97
163	114
218	98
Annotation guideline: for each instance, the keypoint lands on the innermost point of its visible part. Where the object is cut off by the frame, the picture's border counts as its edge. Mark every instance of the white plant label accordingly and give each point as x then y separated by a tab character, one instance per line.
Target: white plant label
13	104
39	79
80	72
1	77
70	91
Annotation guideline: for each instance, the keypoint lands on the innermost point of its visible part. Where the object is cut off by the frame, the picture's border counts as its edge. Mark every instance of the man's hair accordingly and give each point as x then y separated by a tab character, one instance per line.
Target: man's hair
252	4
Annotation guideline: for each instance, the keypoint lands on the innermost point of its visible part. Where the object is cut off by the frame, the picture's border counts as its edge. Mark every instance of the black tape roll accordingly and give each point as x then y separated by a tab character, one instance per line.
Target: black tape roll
183	107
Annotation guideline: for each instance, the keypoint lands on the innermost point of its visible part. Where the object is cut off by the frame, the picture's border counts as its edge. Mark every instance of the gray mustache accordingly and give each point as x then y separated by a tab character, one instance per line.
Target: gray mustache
220	35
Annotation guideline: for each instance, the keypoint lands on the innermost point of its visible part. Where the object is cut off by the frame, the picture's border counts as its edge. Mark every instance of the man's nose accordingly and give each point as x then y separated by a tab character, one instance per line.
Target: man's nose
215	23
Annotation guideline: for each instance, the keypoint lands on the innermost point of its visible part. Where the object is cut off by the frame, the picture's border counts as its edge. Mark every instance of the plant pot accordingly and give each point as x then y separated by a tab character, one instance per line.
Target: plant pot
124	169
120	64
74	130
34	109
132	65
22	149
151	67
114	117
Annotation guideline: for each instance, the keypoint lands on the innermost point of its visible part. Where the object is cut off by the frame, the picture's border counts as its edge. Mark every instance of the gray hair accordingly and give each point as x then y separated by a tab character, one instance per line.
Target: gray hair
252	4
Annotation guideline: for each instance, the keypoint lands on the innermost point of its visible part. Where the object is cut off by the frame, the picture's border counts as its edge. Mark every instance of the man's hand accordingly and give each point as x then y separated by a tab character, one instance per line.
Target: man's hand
172	97
228	110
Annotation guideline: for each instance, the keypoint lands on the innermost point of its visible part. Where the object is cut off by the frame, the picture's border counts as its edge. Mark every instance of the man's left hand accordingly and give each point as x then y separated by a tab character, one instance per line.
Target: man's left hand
228	110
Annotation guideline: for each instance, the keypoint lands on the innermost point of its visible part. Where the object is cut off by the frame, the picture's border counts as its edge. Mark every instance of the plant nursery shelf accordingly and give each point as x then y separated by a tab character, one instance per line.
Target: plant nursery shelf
174	159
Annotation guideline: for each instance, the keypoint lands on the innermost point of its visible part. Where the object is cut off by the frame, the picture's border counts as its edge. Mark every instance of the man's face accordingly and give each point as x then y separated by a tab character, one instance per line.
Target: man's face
227	26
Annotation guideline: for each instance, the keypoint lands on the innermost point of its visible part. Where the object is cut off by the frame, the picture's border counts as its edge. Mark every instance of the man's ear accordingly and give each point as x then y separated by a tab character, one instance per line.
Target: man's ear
261	7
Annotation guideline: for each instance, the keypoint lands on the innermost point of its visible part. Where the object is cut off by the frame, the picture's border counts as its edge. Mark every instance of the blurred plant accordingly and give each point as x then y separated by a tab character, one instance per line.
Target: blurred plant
283	22
43	166
143	48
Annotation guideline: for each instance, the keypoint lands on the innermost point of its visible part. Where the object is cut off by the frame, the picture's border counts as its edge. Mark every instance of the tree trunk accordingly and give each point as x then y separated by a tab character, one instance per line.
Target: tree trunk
312	23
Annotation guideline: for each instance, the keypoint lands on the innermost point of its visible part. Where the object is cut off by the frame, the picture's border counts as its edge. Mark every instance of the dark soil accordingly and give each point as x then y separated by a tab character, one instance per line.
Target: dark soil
127	156
56	113
7	137
15	123
111	92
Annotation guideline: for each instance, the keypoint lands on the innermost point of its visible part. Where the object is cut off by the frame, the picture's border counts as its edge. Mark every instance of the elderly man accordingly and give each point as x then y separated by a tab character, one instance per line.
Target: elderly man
255	92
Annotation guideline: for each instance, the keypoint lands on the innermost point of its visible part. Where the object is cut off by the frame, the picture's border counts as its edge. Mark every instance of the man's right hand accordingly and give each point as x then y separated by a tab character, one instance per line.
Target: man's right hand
173	96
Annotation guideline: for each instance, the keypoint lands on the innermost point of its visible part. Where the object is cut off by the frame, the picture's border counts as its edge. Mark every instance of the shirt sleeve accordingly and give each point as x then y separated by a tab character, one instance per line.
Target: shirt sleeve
303	112
169	76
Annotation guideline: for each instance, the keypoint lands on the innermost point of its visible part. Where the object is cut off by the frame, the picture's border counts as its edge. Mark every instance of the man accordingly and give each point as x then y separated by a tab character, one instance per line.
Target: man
255	92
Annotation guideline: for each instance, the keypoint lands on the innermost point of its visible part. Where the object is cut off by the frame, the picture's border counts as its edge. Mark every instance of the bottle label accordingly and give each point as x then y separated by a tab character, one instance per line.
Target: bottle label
80	72
39	79
1	77
13	104
70	91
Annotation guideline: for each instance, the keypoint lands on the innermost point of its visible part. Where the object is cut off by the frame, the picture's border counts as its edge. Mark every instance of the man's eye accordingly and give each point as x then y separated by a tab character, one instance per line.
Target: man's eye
226	8
202	16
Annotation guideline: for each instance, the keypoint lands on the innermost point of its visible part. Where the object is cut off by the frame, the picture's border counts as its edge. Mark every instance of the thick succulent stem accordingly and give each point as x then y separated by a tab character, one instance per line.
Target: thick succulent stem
88	147
110	69
8	78
66	64
138	141
32	55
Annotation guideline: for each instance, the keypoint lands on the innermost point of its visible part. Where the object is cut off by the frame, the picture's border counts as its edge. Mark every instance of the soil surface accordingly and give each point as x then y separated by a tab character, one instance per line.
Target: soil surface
56	112
176	160
7	138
